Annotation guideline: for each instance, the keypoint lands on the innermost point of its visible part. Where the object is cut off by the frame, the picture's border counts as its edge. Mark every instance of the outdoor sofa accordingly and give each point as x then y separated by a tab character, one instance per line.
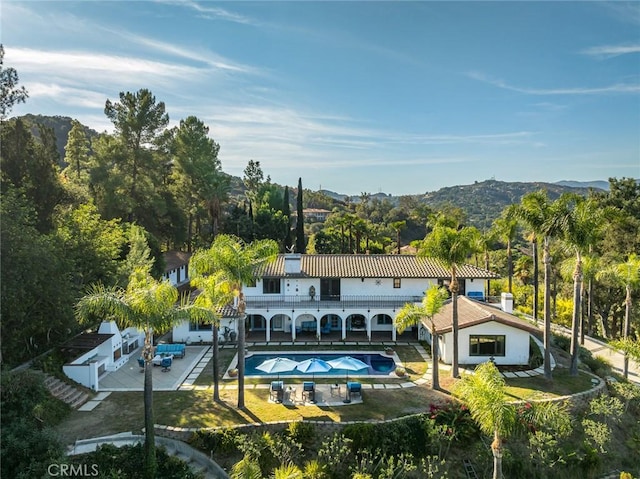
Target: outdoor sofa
178	350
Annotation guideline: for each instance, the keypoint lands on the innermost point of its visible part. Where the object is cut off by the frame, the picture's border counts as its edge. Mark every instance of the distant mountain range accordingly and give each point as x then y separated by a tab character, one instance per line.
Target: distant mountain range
482	201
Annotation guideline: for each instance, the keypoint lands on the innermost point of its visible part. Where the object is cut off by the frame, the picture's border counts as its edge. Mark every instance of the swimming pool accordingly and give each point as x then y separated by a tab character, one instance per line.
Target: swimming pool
377	364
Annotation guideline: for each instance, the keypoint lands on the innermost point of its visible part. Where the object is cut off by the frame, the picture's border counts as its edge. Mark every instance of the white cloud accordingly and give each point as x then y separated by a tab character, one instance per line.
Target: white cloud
71	96
616	88
212	13
610	51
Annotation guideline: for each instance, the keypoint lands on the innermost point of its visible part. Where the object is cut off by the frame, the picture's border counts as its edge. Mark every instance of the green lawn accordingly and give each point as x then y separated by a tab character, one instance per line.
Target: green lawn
123	411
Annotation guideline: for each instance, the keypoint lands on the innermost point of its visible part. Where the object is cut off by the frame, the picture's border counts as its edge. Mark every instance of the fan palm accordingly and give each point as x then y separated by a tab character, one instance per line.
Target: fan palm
411	314
451	246
483	392
151	306
626	274
544	219
583	219
214	294
239	263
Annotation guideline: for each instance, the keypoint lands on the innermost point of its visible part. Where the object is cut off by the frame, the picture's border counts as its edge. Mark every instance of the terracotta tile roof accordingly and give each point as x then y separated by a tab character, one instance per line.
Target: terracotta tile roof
471	312
371	266
175	259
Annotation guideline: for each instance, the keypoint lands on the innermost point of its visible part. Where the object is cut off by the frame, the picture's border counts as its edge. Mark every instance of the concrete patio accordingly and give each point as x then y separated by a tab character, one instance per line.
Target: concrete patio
131	378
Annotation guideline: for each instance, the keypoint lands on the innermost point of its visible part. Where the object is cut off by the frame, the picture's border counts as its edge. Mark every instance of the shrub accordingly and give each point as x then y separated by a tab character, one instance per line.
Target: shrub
124	462
302	432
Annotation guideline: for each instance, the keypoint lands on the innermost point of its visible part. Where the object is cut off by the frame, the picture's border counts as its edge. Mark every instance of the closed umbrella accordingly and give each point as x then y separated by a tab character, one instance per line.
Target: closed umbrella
277	365
313	365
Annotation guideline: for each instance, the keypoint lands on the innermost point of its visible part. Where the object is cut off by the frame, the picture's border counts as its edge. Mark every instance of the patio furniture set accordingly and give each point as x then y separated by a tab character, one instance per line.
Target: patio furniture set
164	355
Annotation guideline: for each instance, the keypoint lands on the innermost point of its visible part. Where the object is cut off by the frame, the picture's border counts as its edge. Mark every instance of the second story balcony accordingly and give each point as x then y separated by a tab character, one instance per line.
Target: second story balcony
328	302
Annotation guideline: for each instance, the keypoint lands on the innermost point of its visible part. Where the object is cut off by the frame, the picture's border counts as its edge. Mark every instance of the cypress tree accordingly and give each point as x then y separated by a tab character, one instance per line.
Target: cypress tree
301	245
286	211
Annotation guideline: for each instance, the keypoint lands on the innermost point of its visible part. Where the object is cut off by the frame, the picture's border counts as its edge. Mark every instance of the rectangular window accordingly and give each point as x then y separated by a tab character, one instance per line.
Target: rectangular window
199	326
487	345
396	282
271	286
384	319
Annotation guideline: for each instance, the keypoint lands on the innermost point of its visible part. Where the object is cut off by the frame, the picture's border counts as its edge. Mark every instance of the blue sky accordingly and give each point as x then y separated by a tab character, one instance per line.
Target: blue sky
399	97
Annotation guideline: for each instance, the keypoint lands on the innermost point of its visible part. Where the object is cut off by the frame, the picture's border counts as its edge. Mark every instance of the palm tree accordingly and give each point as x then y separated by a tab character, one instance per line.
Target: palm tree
626	274
247	468
398	226
484	394
451	246
148	305
590	267
239	263
543	218
584	222
506	228
287	471
411	314
215	293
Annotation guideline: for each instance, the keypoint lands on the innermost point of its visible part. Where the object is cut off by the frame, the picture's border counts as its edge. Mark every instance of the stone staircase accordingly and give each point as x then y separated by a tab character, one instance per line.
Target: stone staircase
67	393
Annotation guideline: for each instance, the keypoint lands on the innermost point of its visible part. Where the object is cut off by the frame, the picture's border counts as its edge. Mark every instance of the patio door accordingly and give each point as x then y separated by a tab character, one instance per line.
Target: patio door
330	289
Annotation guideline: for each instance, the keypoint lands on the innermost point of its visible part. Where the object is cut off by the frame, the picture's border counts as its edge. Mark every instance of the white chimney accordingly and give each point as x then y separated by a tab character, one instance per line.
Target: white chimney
292	263
506	301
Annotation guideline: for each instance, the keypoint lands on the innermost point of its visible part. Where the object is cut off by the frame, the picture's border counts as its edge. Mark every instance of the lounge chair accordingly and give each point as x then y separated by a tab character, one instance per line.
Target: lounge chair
276	391
141	364
166	364
354	388
326	329
309	391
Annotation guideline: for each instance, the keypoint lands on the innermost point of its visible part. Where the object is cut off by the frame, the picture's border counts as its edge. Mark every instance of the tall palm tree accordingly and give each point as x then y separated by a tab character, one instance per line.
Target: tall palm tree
451	246
590	267
583	219
626	274
148	305
411	314
239	263
484	394
214	294
506	228
398	226
543	217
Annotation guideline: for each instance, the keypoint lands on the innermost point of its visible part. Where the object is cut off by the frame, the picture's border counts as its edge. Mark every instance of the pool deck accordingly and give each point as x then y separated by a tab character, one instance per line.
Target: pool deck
184	373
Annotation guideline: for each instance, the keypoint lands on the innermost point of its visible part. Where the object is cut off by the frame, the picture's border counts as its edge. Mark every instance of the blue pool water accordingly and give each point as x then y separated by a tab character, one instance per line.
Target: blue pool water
377	364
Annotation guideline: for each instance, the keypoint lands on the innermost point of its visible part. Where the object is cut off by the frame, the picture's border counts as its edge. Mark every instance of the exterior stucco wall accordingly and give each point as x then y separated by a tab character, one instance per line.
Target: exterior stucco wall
516	344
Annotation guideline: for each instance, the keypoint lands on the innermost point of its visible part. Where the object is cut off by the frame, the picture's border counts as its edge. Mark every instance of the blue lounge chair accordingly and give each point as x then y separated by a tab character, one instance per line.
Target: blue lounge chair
141	364
354	388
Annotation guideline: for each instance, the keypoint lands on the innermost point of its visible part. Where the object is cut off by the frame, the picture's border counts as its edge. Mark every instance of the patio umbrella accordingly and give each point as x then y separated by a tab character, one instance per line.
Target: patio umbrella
347	363
313	365
277	365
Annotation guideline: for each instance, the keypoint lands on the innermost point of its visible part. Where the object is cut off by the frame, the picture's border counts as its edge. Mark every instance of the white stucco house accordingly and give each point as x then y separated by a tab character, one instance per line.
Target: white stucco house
485	331
336	297
177	268
96	354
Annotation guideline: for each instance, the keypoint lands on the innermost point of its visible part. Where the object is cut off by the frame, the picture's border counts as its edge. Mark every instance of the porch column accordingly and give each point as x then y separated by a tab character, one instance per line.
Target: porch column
293	326
344	328
369	325
268	337
318	329
394	331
